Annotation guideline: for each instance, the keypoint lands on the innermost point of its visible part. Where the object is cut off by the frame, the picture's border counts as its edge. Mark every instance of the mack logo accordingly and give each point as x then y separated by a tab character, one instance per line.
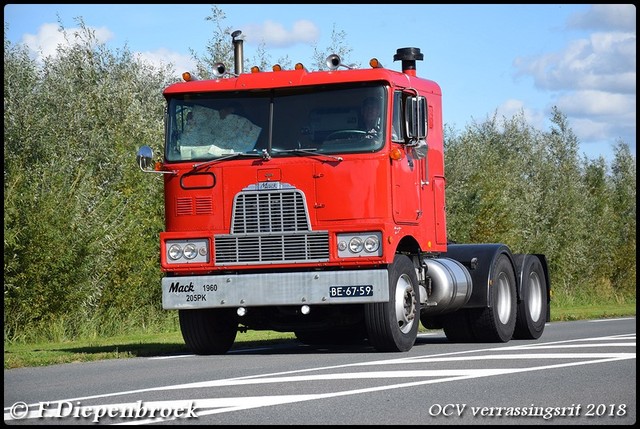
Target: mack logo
262	186
177	287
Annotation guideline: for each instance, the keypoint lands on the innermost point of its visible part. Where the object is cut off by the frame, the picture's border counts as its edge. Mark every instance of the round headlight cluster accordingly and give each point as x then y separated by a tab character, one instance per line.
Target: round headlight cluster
359	244
176	251
370	244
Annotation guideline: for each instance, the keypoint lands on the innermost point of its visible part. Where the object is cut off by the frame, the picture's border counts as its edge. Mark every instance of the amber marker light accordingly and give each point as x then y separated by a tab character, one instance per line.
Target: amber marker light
187	76
277	67
255	69
374	63
299	66
395	154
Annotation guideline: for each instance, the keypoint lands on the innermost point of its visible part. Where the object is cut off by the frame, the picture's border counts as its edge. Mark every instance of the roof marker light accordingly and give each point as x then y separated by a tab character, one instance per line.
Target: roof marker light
374	63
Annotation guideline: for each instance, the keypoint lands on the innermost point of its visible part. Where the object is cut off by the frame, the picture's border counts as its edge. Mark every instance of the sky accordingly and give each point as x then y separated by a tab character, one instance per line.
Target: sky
488	59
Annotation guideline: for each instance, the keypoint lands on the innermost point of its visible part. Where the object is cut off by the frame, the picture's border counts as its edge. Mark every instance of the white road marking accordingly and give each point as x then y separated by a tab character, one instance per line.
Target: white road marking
208	406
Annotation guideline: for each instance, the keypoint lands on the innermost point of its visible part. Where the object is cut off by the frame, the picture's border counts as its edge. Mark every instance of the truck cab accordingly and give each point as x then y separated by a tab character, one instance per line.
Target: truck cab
314	202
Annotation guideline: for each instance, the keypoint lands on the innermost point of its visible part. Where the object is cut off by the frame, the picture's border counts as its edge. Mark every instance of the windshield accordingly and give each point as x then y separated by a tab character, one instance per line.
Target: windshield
328	119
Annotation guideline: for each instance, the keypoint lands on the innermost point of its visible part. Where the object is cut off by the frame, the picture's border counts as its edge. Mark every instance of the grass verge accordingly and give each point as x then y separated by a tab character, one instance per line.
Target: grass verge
161	344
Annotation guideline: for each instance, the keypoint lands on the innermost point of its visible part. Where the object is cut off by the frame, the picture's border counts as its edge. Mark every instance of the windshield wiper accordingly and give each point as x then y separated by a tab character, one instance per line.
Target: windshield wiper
308	151
229	156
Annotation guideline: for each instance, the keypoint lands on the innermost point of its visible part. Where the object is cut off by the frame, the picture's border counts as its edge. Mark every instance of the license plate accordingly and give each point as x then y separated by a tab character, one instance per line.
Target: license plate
350	291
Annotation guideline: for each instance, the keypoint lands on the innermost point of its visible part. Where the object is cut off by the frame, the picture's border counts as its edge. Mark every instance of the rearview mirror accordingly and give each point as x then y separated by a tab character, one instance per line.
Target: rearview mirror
416	117
145	157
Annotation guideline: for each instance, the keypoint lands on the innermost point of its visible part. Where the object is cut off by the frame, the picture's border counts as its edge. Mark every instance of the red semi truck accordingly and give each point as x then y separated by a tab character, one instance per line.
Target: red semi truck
285	212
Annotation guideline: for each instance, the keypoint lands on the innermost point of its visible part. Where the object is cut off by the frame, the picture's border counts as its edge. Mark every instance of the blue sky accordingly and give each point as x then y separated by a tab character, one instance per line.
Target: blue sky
488	59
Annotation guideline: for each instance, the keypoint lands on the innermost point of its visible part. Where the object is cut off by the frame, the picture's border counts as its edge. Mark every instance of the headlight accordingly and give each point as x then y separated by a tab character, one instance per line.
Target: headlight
371	244
175	252
356	245
359	244
190	251
193	251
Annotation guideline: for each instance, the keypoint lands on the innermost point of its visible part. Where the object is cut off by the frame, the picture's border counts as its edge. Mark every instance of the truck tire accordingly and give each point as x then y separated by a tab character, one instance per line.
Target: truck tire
208	331
497	323
393	326
457	326
533	306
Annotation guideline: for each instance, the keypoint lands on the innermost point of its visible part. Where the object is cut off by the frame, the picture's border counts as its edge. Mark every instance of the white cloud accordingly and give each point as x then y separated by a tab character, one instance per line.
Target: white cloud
512	107
597	116
274	34
606	17
605	61
45	43
589	130
598	103
593	79
161	57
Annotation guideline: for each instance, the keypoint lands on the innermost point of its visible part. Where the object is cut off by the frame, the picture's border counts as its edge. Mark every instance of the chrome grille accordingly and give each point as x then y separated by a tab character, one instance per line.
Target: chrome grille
271	227
260	248
258	212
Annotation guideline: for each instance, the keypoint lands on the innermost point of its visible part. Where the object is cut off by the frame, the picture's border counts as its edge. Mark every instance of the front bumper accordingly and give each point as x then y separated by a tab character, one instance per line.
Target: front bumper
268	289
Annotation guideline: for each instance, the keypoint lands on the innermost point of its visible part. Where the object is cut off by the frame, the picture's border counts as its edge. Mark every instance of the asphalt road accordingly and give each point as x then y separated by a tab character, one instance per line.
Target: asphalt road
577	373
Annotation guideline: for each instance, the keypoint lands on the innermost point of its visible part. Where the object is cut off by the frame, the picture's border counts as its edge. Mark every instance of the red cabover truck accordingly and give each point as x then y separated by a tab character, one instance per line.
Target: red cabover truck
283	213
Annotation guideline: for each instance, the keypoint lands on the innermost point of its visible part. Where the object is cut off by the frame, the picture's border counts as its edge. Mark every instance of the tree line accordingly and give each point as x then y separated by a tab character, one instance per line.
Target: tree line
81	222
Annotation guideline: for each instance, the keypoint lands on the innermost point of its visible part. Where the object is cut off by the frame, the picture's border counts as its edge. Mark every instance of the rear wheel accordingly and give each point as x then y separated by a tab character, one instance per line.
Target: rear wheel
208	331
532	309
393	326
457	326
497	323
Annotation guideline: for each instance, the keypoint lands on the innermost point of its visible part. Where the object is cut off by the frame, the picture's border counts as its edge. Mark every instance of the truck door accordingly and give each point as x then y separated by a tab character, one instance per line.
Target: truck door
405	172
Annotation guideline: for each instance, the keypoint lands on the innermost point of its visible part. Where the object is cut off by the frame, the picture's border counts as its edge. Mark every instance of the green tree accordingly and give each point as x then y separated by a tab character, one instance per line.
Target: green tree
80	226
219	49
338	46
492	183
562	202
508	182
81	221
624	220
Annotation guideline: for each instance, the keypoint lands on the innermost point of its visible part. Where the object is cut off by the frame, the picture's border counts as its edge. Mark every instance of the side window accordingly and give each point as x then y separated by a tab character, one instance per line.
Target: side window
397	128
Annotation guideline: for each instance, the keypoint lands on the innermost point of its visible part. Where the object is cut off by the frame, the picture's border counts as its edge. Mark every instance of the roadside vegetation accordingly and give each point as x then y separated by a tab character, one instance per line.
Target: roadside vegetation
156	344
81	222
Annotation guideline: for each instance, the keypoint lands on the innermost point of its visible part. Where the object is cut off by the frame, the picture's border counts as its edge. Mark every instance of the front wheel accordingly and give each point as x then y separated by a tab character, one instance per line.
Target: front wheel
208	331
393	326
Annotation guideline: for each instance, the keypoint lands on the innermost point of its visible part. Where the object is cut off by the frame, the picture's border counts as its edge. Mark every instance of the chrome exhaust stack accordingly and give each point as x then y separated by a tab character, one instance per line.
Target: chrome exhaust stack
238	55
